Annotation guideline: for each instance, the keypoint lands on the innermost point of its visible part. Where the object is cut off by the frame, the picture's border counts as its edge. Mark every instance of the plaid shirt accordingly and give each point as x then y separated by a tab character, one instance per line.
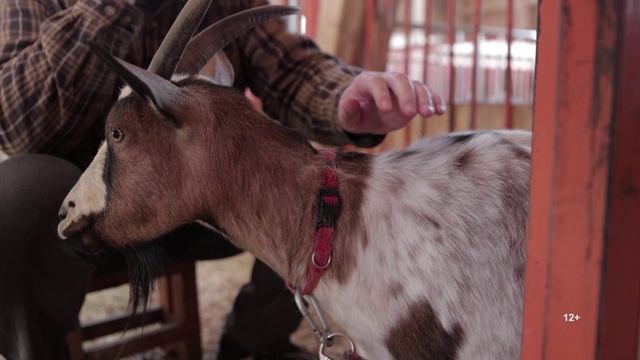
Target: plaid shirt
54	95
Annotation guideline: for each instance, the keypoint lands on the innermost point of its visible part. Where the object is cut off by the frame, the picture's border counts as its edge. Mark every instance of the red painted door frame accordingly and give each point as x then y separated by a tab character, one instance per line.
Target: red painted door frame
620	308
583	242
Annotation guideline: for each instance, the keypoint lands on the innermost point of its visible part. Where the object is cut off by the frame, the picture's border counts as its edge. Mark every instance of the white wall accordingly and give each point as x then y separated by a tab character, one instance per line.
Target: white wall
3	156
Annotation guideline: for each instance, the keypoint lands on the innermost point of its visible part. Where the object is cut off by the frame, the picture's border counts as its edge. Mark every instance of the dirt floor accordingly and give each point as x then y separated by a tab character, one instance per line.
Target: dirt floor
218	284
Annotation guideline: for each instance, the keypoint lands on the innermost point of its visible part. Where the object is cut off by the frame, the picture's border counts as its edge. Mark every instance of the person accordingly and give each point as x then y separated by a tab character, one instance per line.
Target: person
54	96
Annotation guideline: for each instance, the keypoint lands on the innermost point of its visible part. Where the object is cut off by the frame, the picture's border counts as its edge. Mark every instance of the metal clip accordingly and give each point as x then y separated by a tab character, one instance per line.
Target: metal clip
330	338
321	331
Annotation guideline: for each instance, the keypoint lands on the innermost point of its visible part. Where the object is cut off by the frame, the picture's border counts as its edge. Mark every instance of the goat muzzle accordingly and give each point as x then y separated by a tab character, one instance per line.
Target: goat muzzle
82	238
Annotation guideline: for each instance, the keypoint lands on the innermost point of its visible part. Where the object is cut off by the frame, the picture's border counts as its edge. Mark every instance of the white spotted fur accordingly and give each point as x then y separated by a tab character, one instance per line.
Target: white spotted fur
468	278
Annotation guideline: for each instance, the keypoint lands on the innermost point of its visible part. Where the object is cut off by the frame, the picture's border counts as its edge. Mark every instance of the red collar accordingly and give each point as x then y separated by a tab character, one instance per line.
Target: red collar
328	205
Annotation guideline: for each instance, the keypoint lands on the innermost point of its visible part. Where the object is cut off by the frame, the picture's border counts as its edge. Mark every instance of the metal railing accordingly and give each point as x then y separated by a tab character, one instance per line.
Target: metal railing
474	66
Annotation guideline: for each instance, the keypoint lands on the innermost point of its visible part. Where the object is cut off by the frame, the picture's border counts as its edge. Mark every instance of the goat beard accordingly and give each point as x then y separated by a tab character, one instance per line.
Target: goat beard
144	263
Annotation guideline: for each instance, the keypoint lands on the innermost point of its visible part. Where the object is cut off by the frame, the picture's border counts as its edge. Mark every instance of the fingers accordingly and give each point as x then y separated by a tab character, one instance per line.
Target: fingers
440	104
426	105
397	92
382	102
429	103
402	88
414	97
351	115
372	85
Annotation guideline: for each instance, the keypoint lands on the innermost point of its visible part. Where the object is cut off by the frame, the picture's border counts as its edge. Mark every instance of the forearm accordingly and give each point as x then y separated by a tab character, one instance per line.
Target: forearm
52	86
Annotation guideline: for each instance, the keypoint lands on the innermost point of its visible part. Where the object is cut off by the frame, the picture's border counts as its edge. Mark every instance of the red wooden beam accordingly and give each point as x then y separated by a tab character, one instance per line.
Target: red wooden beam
426	28
584	197
620	309
451	15
477	8
508	83
369	17
406	28
406	24
312	13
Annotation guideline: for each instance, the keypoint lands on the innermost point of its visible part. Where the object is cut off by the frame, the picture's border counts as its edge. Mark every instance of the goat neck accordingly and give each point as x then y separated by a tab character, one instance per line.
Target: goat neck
266	200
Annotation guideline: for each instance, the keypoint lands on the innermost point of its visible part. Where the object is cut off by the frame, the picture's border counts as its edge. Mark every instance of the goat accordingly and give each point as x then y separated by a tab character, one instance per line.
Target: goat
429	245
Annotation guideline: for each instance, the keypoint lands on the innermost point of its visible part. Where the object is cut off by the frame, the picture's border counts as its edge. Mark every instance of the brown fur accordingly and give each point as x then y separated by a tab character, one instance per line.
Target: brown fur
146	204
259	182
353	172
464	159
255	178
420	335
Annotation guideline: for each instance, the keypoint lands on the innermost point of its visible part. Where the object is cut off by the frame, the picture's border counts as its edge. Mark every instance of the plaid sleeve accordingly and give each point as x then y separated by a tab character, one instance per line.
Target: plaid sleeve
298	83
52	91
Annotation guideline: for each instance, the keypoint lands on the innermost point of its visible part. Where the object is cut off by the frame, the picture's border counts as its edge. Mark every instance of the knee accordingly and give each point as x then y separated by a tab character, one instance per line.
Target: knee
32	187
39	177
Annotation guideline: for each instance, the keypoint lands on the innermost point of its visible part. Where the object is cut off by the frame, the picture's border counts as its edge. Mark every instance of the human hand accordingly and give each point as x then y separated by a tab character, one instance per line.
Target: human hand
377	103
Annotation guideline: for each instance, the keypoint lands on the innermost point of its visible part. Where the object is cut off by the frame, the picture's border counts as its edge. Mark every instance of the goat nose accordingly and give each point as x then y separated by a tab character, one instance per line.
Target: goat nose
62	213
64	210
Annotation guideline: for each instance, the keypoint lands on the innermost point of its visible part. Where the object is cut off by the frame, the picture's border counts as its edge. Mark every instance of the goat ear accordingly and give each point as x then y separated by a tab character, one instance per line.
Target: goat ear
220	69
215	37
163	93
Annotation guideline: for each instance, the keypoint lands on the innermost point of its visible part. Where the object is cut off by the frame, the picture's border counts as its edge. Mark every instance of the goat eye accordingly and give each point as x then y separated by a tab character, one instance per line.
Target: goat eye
117	134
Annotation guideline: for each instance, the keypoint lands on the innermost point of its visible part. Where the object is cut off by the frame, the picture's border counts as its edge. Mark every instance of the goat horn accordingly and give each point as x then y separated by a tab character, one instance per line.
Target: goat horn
215	37
168	54
164	94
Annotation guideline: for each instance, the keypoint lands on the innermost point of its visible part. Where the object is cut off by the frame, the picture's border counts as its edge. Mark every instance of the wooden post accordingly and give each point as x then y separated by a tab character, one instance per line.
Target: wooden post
181	308
508	78
585	184
452	29
619	328
311	10
74	344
